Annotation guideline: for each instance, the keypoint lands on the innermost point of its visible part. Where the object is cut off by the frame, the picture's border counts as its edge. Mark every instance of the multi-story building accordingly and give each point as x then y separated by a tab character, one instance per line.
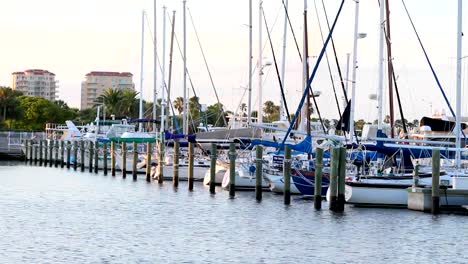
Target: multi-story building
35	82
96	82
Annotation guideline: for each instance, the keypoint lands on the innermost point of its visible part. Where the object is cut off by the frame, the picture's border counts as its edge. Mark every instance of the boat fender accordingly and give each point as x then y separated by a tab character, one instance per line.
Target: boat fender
252	169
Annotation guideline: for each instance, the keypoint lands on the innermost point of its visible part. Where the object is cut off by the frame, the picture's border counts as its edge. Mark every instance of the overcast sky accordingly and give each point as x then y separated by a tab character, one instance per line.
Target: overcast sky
72	38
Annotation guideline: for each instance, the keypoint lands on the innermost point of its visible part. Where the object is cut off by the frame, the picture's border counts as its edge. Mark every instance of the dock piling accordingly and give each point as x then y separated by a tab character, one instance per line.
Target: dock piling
318	179
40	152
258	172
51	151
148	161
112	158
62	154
135	161
96	157
82	154
75	155
175	175
161	162
104	152
341	180
214	150
124	160
287	175
46	156
68	147
335	159
435	209
90	161
190	167
232	170
26	147
56	150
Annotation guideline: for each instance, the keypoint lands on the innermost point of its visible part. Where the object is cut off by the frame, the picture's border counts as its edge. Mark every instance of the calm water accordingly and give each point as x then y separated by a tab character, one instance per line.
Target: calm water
50	215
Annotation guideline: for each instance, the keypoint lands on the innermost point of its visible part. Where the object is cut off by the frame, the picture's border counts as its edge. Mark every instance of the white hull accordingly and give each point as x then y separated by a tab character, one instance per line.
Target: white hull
219	175
277	184
243	180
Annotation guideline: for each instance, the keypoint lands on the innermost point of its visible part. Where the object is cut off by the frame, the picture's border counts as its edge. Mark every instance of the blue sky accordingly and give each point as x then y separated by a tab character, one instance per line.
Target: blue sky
72	38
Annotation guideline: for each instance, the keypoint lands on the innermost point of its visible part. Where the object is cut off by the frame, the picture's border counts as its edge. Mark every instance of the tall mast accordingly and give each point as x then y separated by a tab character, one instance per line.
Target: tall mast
458	110
169	79
249	105
353	86
283	66
155	58
306	71
163	85
260	64
140	124
390	69
185	116
347	79
381	69
305	78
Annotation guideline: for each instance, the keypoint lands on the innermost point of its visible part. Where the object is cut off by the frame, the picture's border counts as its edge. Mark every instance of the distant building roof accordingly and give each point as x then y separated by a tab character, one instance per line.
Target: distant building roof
105	73
34	71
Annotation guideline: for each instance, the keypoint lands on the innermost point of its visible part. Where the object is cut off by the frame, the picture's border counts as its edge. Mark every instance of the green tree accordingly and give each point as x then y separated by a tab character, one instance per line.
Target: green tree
9	105
214	114
129	104
271	110
38	111
111	98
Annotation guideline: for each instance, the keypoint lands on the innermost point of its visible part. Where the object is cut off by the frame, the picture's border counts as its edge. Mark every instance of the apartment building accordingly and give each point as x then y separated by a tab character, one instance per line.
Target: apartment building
96	82
36	82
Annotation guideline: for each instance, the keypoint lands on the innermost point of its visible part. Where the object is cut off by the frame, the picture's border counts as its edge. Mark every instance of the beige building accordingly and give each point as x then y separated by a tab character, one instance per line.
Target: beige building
96	82
35	82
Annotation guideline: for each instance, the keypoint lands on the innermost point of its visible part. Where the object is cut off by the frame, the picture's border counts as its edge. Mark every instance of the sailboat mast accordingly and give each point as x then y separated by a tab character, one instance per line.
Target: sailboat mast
185	116
458	108
381	68
155	62
163	78
140	125
169	79
305	74
347	80
249	105
353	86
390	69
306	70
283	66
260	64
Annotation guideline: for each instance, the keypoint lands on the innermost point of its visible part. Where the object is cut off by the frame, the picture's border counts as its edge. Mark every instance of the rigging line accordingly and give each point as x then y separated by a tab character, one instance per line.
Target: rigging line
160	69
399	101
328	62
430	65
336	57
312	76
186	69
206	64
276	68
292	30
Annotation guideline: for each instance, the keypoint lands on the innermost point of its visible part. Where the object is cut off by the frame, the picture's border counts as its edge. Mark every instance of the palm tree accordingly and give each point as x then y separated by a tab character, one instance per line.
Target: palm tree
270	110
8	100
129	105
179	104
111	98
243	108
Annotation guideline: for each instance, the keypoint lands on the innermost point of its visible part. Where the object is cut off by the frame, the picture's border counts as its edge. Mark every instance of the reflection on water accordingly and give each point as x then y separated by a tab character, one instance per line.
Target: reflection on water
50	215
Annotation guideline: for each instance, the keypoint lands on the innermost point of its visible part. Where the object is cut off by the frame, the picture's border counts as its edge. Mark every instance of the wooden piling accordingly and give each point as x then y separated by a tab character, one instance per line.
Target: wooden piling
161	163
112	158
148	161
96	157
104	152
175	171
190	167
318	179
287	175
51	151
68	148
214	150
124	160
258	172
135	161
26	148
46	156
56	150
341	180
62	154
40	152
90	153
435	181
35	154
31	152
82	155
232	170
333	186
75	155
